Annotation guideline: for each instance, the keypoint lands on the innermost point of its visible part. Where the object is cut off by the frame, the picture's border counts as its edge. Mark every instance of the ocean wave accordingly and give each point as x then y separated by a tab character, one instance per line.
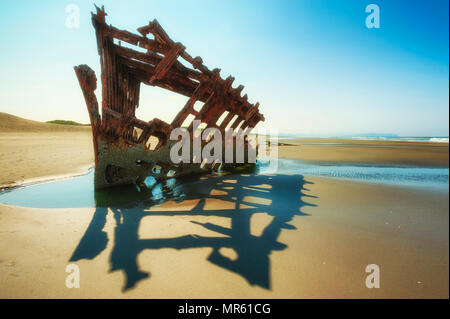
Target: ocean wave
403	139
438	139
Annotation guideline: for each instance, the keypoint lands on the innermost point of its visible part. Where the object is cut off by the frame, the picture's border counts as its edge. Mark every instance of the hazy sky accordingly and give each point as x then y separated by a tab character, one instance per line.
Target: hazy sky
313	65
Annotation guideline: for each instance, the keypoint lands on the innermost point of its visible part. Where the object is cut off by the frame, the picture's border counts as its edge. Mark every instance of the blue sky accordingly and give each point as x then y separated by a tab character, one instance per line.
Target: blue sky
313	65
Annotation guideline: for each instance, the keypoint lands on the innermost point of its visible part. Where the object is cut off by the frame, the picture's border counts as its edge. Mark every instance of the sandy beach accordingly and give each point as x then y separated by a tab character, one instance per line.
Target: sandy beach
31	150
365	152
236	236
321	251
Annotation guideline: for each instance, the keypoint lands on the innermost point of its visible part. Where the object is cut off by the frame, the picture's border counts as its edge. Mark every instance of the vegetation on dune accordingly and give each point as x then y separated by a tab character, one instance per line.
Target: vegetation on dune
64	122
11	123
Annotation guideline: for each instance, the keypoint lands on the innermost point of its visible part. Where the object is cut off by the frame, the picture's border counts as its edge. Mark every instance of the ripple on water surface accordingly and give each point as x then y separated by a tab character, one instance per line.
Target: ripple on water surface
79	191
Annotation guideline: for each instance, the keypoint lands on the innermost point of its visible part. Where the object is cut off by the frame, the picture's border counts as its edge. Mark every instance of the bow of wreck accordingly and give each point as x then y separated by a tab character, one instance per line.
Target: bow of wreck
128	149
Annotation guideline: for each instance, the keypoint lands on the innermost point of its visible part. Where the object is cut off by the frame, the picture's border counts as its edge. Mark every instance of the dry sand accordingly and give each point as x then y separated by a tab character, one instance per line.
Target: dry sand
32	150
339	228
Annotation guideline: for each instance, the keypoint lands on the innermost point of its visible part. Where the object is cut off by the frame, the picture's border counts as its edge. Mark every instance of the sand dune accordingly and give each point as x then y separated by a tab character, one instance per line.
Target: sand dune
31	149
11	123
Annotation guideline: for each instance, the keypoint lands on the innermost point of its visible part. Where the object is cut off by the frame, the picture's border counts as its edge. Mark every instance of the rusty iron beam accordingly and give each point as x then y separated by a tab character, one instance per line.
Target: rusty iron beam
128	149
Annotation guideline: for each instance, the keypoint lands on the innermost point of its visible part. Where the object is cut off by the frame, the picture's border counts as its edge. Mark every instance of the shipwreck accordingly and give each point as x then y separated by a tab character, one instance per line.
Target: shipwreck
128	149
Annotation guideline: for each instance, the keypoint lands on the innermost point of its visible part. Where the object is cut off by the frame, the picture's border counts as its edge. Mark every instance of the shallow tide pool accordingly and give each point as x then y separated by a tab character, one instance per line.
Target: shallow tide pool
79	191
423	177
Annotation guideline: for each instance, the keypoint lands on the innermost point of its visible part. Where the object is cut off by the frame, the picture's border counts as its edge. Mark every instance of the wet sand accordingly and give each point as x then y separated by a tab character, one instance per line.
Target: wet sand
251	237
312	237
365	152
29	156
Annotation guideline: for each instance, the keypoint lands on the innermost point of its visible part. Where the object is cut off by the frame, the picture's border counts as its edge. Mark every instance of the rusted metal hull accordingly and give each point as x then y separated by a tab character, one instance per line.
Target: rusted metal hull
127	149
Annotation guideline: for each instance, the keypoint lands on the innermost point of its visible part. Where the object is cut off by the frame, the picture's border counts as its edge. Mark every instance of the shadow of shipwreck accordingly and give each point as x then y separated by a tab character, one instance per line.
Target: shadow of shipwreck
279	196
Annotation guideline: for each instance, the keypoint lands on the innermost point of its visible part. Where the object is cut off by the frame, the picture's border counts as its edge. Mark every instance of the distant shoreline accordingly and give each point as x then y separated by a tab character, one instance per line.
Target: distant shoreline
420	139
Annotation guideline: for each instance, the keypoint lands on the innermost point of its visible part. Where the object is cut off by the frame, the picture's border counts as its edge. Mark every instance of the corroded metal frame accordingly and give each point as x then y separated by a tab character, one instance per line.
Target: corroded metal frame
123	151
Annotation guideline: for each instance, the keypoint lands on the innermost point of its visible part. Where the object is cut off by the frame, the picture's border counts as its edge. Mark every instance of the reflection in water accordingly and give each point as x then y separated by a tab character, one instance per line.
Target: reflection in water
149	194
279	196
79	191
432	178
